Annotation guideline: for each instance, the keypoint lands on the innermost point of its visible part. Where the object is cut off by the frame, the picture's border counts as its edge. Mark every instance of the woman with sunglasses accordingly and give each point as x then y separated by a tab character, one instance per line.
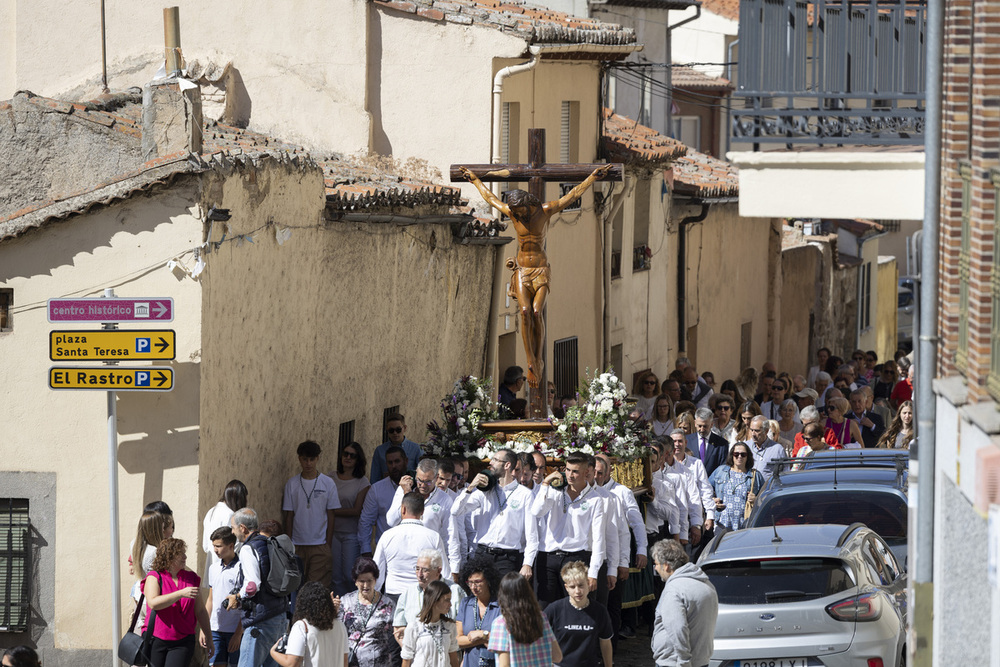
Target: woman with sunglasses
746	413
735	482
814	435
352	487
646	391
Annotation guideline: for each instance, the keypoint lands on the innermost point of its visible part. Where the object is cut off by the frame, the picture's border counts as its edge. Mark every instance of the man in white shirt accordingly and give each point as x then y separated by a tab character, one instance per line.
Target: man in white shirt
428	569
688	496
437	502
615	529
396	553
573	521
663	512
308	503
379	500
503	530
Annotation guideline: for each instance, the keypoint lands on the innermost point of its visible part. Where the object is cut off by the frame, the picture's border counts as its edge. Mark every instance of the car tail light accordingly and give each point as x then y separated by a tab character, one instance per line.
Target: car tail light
864	607
875	662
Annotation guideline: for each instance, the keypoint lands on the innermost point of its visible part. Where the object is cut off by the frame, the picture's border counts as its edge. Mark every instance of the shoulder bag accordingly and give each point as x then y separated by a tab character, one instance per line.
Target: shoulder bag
133	649
749	505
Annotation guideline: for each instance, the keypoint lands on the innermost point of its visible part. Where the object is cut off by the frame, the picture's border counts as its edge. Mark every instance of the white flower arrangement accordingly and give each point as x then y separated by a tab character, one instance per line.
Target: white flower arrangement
469	405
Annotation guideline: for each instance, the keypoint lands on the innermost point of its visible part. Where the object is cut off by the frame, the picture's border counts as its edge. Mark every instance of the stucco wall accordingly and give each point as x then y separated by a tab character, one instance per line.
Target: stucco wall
446	85
728	283
800	270
886	312
339	322
303	62
64	433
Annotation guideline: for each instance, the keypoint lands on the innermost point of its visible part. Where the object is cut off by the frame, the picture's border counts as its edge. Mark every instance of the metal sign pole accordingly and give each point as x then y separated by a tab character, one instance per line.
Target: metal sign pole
116	612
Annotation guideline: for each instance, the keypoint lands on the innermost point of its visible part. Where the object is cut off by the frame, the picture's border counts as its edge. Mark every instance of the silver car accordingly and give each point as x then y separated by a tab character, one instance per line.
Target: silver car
807	596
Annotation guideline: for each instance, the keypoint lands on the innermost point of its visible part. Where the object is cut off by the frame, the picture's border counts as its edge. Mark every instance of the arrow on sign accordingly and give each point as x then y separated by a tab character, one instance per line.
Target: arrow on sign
162	345
161	377
160	309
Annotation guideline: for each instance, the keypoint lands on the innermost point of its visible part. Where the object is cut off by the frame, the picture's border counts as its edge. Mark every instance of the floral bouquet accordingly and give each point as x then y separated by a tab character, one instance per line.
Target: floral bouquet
601	423
459	434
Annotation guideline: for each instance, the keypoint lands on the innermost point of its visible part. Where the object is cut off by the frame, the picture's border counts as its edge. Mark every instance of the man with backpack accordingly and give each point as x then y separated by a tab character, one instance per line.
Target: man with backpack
269	574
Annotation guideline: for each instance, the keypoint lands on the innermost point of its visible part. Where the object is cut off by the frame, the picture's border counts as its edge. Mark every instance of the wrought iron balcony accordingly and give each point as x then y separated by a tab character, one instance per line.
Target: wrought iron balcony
830	72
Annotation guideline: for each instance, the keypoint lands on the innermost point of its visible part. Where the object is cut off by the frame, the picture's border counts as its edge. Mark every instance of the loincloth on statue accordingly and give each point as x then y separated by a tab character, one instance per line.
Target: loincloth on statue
534	278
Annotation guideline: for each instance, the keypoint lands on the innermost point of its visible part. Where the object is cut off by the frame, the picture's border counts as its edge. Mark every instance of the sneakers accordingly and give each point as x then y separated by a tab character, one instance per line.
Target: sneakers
625	632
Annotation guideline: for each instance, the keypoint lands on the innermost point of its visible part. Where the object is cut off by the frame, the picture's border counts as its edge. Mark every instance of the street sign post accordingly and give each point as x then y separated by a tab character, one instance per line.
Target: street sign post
112	378
146	309
113	345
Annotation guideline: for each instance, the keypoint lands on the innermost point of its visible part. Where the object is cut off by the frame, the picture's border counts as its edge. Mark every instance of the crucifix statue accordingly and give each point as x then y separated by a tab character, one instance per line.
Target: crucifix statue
530	214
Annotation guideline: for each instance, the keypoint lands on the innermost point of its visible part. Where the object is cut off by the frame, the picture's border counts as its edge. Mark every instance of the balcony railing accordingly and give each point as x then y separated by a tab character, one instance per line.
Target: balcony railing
830	72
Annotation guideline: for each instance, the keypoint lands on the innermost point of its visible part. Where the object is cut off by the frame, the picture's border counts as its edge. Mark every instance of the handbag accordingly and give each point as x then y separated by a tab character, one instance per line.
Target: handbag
133	649
352	652
749	505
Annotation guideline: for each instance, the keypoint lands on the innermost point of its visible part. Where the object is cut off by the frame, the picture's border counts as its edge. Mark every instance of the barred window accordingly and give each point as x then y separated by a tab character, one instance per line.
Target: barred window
345	435
6	304
993	378
962	353
15	576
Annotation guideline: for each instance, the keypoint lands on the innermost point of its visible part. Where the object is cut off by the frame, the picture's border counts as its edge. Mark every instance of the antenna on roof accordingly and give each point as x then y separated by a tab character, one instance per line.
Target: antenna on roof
776	539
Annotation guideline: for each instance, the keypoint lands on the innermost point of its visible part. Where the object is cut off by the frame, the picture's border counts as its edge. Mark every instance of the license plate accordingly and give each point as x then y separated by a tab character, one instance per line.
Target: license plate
773	662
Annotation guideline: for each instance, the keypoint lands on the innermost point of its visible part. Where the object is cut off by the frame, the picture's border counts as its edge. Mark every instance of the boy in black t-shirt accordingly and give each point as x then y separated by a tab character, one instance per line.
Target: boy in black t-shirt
581	625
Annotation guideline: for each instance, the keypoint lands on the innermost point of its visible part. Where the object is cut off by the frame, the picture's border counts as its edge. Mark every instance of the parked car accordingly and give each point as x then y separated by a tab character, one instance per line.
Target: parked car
803	596
866	486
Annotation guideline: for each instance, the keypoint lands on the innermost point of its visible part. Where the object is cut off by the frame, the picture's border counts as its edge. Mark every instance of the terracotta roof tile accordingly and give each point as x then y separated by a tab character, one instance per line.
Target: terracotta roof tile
352	183
625	140
688	78
727	9
700	175
534	23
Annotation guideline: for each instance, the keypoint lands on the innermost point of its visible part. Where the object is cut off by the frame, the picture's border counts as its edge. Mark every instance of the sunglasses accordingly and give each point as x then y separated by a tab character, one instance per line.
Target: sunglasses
349	455
650	382
727	408
739	455
397	429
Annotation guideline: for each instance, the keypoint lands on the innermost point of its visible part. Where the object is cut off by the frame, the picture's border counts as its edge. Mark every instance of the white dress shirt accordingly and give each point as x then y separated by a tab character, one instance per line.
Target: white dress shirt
694	468
572	525
692	494
632	514
437	513
615	528
664	508
500	519
377	503
396	554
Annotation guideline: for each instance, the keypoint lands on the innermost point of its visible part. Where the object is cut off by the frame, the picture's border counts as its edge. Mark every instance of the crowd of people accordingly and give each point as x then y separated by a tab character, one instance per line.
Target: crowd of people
426	562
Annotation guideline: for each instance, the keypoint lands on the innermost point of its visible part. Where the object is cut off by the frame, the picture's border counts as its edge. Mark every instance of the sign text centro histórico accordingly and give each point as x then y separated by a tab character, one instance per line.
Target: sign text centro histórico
146	309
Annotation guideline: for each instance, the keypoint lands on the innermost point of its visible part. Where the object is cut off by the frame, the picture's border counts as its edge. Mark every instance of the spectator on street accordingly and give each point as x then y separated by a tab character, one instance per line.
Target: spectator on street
379	499
21	656
735	483
788	426
763	449
513	380
397	552
521	637
431	640
352	488
395	430
722	406
903	391
846	430
729	389
368	617
308	503
662	421
646	390
687	611
694	388
223	576
477	612
408	606
233	498
747	411
316	638
581	626
903	430
870	423
822	355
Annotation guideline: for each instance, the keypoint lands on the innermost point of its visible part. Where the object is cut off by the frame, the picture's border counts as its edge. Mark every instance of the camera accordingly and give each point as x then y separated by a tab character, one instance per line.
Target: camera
282	643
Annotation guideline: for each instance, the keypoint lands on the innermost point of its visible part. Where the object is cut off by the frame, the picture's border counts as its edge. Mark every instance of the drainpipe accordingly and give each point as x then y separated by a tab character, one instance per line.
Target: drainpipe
928	332
498	93
682	274
608	240
670	61
729	75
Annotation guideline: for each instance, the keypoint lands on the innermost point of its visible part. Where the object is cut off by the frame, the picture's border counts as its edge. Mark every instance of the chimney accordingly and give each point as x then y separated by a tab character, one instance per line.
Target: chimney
171	107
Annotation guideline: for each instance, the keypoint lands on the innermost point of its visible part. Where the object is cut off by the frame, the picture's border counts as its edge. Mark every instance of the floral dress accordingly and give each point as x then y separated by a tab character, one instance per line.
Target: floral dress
733	488
369	632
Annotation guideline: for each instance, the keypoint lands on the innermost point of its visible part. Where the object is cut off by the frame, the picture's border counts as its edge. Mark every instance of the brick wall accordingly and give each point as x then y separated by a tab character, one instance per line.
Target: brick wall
971	132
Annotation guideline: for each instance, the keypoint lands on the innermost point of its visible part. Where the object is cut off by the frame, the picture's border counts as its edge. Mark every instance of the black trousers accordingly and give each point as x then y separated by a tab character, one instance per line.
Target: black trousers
504	560
177	653
547	573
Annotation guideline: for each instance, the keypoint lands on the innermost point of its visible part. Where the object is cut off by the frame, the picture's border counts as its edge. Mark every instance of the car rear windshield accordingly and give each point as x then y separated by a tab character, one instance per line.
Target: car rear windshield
778	580
885	513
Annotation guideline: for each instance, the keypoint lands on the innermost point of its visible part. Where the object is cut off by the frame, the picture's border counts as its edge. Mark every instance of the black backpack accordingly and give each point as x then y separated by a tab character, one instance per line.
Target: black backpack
285	576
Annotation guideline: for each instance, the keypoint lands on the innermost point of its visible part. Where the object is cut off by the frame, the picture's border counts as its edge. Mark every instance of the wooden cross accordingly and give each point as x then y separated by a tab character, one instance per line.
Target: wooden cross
531	227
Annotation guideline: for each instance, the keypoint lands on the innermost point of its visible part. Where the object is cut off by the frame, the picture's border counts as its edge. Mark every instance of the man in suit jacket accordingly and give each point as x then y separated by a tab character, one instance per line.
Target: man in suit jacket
711	448
872	426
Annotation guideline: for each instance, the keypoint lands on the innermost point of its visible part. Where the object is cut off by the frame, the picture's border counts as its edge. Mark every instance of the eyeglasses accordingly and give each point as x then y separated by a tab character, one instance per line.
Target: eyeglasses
395	429
349	455
457	477
425	482
739	455
475	583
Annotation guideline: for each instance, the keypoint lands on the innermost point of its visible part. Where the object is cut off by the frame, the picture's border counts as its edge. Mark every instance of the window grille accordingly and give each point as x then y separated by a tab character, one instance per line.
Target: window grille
962	353
993	378
6	305
564	188
385	420
566	377
15	574
570	132
345	435
864	296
